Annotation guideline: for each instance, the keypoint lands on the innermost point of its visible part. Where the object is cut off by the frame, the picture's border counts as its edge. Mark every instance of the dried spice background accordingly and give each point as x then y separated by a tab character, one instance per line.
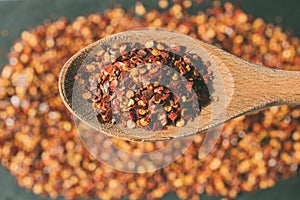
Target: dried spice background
39	145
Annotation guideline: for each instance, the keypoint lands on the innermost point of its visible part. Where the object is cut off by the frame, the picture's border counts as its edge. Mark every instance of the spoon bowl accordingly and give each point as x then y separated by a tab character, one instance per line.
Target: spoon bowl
238	86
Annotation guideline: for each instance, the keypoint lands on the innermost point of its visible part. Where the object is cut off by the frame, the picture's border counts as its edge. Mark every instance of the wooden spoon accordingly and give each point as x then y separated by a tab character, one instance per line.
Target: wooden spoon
239	86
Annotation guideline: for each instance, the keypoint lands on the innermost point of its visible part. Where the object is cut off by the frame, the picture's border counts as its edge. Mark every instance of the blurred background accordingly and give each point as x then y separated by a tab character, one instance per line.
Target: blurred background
16	16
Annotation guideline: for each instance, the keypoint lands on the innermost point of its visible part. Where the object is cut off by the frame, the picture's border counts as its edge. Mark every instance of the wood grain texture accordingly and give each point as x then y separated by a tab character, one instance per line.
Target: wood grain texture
255	86
239	87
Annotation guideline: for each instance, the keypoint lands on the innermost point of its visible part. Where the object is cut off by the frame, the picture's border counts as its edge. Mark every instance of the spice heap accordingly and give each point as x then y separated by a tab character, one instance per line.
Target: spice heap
133	84
40	147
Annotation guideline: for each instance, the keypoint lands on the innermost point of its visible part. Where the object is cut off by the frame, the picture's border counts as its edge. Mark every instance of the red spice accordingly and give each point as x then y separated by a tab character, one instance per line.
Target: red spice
130	65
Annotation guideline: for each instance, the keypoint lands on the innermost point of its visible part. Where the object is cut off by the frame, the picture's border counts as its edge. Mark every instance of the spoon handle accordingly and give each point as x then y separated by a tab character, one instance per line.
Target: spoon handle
285	86
257	87
250	86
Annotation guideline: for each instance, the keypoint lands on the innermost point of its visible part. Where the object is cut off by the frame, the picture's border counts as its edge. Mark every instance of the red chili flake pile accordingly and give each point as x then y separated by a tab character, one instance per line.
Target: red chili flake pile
39	144
160	70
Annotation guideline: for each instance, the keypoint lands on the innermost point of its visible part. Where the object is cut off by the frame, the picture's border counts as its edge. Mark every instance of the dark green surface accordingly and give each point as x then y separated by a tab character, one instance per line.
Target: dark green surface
16	16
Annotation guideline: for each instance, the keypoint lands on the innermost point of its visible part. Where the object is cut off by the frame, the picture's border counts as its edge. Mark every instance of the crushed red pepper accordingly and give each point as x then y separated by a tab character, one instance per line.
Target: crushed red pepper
146	75
40	146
